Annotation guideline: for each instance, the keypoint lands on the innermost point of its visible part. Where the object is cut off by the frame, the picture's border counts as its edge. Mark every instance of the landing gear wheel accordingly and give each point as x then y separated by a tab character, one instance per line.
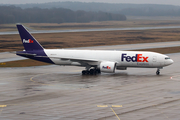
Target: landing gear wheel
83	72
98	71
91	72
158	72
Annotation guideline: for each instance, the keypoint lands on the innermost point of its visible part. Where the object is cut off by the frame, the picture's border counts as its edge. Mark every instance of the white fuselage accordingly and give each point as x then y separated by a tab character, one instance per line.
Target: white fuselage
121	58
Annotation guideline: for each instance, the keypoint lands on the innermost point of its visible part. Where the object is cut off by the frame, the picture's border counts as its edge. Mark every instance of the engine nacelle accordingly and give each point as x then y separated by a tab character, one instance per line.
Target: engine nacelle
108	67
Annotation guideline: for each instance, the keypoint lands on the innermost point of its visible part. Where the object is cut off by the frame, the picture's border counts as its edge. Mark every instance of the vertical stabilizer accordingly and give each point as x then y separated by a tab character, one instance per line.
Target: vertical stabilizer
29	42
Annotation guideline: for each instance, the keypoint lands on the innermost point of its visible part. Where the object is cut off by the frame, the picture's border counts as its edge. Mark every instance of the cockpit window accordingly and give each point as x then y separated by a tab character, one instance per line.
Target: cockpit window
166	58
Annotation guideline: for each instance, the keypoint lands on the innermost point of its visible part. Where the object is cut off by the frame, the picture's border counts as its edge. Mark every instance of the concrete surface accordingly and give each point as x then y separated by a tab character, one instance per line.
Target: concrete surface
61	93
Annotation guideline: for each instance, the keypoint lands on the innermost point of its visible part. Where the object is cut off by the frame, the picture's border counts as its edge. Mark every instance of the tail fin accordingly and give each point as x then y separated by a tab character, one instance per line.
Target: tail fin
29	42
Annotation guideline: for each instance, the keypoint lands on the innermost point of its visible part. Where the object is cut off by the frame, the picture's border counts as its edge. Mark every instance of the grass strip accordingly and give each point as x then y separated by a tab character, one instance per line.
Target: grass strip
166	50
23	63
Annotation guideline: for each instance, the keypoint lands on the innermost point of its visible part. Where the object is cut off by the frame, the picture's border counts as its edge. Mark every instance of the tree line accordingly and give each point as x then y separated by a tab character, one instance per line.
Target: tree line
150	12
12	14
126	9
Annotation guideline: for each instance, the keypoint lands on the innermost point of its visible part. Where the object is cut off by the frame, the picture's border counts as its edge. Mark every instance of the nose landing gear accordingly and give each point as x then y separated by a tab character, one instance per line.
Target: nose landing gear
158	71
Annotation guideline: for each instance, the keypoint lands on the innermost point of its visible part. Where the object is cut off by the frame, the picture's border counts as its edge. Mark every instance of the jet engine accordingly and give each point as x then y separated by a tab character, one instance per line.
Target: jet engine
108	67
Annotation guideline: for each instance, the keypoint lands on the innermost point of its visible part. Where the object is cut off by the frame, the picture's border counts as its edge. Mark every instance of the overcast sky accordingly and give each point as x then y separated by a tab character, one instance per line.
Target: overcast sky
169	2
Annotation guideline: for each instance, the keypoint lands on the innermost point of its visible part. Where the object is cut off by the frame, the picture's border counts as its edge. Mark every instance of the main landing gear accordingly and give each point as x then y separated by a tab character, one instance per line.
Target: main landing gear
91	72
158	71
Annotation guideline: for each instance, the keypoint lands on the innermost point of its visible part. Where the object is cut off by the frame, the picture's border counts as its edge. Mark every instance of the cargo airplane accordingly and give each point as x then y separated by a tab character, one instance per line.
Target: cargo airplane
95	61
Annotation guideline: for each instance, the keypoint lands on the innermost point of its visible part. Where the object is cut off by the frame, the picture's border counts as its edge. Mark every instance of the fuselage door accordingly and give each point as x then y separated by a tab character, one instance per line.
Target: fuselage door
154	59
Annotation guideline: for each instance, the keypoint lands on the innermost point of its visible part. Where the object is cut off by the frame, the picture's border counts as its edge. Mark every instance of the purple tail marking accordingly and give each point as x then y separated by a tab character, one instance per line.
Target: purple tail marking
29	42
31	46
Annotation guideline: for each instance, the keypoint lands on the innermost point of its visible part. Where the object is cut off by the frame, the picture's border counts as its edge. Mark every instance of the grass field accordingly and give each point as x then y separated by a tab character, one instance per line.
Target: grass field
85	39
166	50
23	63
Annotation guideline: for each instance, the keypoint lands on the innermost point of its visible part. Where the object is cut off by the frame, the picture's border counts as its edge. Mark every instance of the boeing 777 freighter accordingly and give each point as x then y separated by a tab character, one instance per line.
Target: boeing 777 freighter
95	61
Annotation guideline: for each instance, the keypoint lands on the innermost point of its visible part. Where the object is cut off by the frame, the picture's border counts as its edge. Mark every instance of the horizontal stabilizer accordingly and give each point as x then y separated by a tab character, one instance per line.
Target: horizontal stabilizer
26	54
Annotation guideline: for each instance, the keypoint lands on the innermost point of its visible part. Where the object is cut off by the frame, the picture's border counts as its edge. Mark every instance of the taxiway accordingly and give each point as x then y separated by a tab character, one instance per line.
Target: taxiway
61	93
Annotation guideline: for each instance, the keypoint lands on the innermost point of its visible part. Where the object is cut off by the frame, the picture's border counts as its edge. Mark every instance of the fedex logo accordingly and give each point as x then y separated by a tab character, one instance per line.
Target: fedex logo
136	58
107	67
28	41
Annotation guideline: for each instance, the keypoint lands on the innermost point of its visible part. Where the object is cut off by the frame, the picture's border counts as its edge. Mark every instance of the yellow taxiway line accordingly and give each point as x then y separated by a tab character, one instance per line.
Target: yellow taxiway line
115	114
2	106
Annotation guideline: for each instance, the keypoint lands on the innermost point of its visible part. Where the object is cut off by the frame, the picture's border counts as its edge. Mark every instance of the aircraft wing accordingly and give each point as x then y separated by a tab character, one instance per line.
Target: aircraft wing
72	59
61	58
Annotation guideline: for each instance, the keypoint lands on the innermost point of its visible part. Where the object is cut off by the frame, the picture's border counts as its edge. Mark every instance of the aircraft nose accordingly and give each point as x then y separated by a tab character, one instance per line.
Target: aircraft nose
169	62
